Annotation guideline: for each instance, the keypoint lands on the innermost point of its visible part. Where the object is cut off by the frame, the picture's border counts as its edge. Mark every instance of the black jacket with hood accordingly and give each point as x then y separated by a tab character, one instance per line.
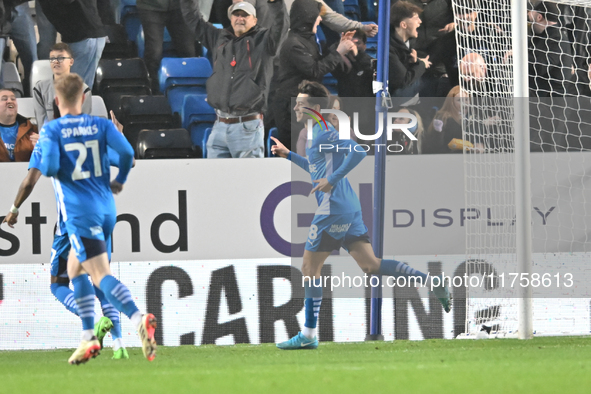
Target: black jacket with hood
241	65
402	72
300	57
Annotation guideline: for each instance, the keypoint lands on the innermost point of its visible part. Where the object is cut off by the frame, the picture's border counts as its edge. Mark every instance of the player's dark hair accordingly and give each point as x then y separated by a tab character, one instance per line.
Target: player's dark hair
317	93
62	46
549	10
402	10
69	88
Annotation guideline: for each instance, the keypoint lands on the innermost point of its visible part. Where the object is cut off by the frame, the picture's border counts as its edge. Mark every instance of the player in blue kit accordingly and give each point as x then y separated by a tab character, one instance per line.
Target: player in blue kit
337	222
59	256
74	152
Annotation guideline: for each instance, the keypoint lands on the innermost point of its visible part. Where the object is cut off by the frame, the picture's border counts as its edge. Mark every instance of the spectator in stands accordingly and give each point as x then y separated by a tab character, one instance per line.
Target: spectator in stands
550	52
474	72
300	60
18	135
355	73
445	127
437	40
81	28
335	22
398	137
406	68
61	60
155	15
237	88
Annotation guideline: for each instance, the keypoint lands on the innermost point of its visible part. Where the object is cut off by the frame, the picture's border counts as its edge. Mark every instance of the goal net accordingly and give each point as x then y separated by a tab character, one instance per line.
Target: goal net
559	108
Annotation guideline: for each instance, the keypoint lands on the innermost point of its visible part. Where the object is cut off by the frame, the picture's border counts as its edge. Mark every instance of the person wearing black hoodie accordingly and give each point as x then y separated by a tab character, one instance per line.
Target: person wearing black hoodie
300	59
406	68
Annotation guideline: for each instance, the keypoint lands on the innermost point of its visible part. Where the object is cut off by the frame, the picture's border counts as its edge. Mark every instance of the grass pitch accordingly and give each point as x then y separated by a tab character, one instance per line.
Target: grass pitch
542	365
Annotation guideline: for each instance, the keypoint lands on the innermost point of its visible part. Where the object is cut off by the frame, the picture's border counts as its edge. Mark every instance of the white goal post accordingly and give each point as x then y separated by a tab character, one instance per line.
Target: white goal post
525	79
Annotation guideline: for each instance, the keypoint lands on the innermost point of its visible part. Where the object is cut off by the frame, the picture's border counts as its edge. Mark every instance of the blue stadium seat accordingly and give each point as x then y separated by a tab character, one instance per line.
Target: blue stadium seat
204	142
331	83
186	71
197	116
352	10
272	133
181	76
196	110
167	46
320	37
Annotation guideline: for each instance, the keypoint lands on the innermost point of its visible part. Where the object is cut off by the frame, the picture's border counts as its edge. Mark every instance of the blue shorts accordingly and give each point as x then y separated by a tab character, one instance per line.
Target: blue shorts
89	234
331	232
59	255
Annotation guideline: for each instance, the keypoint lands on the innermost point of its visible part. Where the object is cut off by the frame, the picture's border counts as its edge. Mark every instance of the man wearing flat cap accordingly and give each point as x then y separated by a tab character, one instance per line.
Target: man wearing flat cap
242	61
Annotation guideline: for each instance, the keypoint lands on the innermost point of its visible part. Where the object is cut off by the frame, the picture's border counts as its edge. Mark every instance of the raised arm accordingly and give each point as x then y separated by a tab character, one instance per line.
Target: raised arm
206	32
280	150
340	24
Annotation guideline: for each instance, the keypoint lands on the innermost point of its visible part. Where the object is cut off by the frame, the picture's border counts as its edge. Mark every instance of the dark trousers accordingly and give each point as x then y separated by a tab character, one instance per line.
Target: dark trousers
183	38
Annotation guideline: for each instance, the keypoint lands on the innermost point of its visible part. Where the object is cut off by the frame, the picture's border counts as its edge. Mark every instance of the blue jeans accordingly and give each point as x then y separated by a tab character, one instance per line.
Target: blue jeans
236	140
47	33
87	54
23	35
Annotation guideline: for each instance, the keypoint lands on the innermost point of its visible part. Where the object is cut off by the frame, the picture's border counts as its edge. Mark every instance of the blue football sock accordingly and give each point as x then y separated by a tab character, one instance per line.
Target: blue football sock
118	295
84	296
109	311
65	295
313	299
396	268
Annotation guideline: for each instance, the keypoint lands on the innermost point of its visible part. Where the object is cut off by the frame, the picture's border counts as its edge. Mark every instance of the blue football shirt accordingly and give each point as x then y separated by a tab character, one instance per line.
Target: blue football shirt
9	134
74	151
331	158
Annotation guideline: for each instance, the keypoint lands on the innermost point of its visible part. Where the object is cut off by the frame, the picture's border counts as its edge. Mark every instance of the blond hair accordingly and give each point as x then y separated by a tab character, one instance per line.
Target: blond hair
69	88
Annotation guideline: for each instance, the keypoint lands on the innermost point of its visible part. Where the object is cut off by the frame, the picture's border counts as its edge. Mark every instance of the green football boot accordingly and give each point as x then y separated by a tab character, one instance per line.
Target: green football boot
101	328
120	354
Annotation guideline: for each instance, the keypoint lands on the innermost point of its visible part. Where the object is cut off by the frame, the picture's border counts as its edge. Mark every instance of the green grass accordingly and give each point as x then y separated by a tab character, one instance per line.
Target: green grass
543	365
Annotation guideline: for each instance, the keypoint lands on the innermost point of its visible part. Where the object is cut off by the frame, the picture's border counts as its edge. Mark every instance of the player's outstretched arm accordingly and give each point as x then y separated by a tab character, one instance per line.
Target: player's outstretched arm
281	151
24	191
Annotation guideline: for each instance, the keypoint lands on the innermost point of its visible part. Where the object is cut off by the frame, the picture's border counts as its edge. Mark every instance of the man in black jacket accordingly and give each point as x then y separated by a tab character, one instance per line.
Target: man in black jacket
355	74
242	60
300	59
406	68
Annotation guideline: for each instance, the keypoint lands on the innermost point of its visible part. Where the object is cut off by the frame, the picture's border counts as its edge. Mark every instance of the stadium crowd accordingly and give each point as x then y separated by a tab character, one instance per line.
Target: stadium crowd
261	50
